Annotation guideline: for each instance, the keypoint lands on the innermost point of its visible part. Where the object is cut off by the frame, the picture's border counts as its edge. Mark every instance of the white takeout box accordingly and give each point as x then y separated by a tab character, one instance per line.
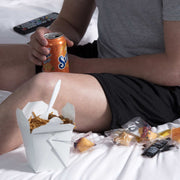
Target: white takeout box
48	146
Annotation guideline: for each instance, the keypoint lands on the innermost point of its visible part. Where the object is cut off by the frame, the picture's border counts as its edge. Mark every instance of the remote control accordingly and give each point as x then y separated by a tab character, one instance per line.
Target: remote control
32	25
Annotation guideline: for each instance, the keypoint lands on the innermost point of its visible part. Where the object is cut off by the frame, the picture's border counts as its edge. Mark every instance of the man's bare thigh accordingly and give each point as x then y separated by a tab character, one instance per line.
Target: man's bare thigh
15	66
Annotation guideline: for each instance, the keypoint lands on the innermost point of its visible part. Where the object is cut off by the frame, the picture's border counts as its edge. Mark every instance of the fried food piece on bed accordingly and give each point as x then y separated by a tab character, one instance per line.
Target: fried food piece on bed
146	134
175	134
124	139
83	144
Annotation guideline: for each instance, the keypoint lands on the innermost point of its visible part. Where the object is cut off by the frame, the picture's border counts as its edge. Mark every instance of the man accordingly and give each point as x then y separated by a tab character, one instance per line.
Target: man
136	72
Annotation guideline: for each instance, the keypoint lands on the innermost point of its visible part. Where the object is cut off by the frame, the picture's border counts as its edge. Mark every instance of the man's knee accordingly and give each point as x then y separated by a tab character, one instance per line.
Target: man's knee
44	83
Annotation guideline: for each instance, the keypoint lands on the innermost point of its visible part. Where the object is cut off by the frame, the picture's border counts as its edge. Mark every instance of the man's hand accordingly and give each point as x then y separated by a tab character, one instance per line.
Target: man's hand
38	43
38	50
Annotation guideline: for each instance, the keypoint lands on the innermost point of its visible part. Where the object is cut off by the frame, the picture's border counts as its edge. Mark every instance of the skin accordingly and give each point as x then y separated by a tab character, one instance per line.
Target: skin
77	88
15	67
83	91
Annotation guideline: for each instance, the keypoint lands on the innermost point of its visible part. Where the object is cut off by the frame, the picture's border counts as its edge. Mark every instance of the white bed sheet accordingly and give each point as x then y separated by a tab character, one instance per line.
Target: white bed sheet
14	12
107	161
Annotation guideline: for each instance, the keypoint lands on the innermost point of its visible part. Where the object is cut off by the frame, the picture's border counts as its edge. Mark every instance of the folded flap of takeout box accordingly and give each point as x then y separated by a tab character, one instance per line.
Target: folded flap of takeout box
52	128
68	111
38	107
60	144
22	122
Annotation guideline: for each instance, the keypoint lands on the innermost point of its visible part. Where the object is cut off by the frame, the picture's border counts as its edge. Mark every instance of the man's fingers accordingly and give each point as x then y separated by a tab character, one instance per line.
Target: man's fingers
38	55
34	44
69	42
38	46
39	35
35	60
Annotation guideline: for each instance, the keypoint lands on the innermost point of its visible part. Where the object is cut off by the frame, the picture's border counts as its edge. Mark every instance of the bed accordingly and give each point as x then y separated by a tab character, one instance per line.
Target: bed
14	12
106	161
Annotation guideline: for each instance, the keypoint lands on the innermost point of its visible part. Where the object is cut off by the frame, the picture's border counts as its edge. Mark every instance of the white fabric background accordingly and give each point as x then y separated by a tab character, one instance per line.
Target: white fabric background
106	161
15	12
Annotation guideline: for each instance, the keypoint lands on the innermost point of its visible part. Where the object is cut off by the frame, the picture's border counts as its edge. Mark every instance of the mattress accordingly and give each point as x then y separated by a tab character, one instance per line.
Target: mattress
105	161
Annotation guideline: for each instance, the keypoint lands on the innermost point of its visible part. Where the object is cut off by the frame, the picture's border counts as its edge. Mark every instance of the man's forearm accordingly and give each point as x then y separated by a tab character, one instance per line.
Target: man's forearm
74	18
61	25
157	68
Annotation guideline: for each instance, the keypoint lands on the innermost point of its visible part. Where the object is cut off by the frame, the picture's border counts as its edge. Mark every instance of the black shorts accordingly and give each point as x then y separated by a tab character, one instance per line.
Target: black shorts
129	97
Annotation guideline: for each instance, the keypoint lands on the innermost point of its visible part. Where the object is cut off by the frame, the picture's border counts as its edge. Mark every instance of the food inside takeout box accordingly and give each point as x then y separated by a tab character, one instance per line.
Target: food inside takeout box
47	142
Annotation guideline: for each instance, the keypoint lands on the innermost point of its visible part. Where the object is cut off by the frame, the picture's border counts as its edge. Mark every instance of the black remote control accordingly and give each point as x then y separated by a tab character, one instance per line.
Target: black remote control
32	25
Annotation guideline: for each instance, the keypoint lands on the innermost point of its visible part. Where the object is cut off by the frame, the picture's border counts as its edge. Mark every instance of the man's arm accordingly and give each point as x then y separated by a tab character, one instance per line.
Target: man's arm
162	69
72	21
74	18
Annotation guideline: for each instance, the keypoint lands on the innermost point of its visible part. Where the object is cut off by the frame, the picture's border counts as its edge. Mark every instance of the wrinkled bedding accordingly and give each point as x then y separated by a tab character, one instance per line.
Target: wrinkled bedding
106	161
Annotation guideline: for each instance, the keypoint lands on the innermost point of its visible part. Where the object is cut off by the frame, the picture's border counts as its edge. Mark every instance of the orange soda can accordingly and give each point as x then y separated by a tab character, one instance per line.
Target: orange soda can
57	60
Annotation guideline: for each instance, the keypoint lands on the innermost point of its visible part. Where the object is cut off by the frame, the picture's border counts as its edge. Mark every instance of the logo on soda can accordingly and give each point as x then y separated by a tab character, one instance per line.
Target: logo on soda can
63	60
57	60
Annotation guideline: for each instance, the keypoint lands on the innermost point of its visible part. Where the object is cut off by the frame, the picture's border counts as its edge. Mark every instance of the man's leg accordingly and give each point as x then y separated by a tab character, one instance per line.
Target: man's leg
15	66
83	91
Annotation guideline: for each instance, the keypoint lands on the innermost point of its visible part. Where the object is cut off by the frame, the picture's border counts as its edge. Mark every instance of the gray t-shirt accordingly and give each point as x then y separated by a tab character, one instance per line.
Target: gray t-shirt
130	28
